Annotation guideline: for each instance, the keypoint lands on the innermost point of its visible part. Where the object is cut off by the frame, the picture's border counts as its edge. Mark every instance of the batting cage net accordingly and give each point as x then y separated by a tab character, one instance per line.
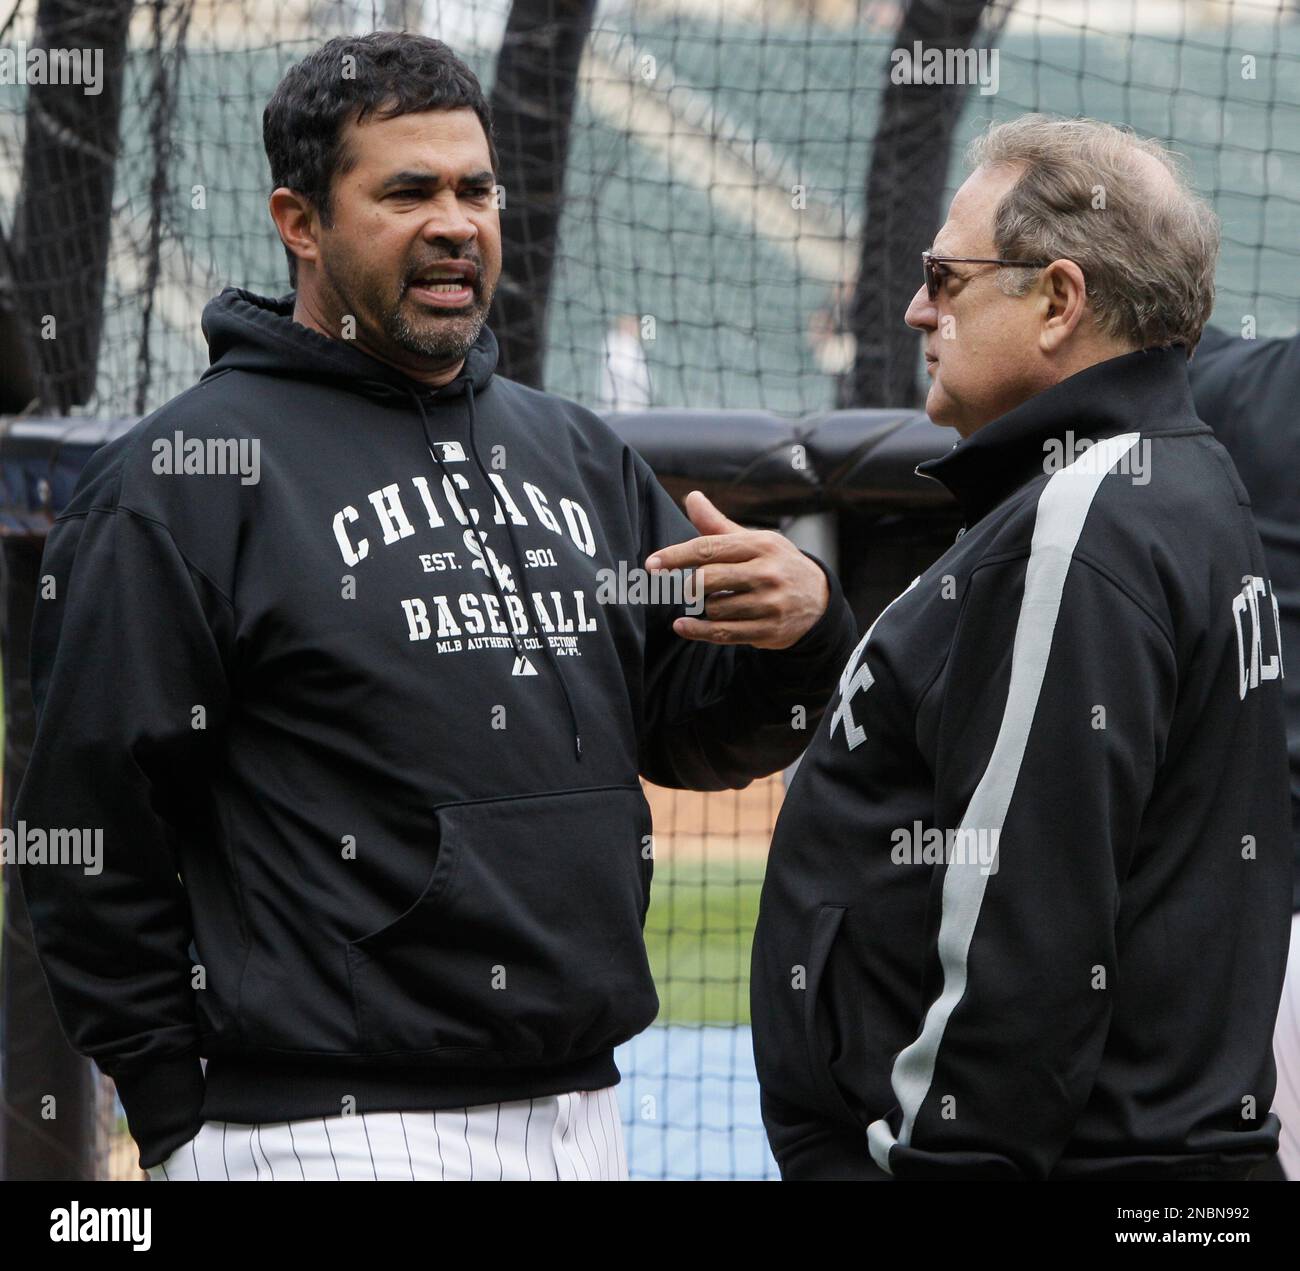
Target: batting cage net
704	205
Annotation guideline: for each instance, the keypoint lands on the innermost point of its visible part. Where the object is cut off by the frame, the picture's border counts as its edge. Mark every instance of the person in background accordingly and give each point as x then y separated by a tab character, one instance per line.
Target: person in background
1247	391
624	374
833	344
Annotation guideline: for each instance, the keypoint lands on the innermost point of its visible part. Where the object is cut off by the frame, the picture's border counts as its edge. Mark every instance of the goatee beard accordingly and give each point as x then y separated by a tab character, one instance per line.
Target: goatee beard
448	339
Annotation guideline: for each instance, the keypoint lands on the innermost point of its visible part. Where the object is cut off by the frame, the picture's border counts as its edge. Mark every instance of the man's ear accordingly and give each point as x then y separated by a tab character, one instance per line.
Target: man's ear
297	222
1063	297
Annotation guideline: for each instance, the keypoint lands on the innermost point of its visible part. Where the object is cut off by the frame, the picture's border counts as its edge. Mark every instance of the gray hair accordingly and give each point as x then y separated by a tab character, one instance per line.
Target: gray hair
1147	246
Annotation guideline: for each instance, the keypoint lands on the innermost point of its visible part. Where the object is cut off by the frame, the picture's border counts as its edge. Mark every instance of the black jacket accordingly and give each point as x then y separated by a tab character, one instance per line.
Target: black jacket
367	780
1248	391
1028	902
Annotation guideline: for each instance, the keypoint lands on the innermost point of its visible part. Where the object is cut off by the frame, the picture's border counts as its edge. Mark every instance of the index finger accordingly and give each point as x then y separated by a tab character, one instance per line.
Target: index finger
705	550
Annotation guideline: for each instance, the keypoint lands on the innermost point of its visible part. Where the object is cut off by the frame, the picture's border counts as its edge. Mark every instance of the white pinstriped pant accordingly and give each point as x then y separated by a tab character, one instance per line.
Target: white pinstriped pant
1286	1055
567	1137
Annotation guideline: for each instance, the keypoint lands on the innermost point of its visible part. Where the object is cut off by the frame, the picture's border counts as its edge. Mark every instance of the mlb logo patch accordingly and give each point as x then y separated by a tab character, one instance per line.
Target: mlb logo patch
450	451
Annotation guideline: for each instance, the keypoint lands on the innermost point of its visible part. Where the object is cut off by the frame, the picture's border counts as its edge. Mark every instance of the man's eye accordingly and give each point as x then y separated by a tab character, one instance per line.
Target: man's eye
479	191
947	277
406	194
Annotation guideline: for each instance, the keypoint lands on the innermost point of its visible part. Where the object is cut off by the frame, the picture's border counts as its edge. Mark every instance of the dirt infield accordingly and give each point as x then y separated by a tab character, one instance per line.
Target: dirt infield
719	826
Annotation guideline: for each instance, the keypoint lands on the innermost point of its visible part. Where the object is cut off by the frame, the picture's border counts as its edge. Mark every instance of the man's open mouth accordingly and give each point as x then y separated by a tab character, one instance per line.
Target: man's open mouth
446	285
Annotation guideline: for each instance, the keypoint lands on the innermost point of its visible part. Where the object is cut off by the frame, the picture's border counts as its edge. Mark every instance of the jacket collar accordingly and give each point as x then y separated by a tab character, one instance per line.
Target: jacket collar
1145	391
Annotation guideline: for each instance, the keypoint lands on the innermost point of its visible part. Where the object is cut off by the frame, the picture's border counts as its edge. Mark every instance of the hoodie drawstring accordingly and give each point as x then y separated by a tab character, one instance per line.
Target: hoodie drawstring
487	560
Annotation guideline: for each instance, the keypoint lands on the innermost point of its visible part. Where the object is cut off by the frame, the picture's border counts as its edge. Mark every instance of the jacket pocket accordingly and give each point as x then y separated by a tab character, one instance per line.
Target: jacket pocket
526	944
820	1033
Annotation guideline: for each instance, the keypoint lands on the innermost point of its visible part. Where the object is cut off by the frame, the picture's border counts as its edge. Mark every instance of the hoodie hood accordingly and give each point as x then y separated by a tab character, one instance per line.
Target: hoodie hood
248	332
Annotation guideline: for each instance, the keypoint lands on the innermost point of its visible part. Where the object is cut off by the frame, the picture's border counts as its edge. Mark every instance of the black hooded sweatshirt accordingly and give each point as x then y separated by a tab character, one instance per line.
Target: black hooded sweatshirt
363	741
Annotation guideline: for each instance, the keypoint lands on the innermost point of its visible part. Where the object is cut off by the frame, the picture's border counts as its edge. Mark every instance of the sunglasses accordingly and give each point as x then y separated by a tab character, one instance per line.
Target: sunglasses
934	274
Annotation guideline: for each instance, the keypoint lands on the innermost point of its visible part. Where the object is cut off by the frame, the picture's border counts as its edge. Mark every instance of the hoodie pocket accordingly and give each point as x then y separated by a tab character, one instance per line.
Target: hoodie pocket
526	944
820	1033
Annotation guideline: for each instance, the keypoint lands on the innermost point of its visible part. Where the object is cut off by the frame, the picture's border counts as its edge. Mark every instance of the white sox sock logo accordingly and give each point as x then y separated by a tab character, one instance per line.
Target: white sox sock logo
504	575
858	681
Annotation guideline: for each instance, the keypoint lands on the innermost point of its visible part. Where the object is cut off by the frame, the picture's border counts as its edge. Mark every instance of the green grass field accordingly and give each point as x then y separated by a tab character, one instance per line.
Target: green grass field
698	931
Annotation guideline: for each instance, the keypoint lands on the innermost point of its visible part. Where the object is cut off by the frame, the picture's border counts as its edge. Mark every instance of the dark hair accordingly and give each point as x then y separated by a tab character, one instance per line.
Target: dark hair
385	73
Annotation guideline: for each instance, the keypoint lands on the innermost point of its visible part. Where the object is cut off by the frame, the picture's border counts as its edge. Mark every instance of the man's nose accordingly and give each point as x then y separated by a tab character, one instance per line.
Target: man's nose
447	219
921	313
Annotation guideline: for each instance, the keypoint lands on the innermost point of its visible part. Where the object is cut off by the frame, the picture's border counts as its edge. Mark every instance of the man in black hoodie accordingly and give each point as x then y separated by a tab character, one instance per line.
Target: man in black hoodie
332	660
1026	911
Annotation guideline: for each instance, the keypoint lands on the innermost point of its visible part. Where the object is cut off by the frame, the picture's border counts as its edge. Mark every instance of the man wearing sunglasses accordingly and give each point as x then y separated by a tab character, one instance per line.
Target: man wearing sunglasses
1026	912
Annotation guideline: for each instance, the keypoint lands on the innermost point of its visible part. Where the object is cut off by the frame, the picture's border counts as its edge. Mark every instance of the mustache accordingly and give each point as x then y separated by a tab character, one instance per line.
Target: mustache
474	262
